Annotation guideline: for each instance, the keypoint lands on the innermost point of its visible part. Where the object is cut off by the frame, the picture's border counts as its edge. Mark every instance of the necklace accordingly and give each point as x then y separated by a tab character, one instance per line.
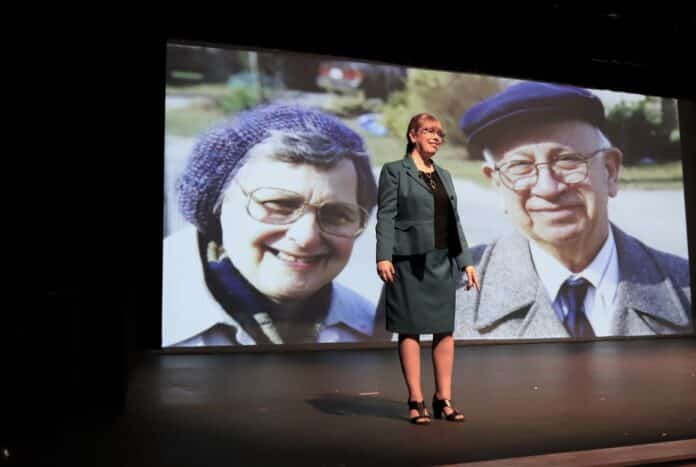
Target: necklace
429	179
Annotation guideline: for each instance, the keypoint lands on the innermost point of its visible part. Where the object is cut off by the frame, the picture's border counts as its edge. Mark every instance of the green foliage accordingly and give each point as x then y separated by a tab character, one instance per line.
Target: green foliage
644	130
190	122
351	105
446	95
238	98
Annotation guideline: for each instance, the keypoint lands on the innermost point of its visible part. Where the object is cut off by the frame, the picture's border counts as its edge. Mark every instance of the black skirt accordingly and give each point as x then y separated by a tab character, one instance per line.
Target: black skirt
421	300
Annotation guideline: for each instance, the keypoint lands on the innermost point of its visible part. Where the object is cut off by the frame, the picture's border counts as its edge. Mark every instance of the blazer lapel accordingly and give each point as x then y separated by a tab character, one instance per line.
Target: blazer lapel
541	320
643	290
412	172
510	289
515	292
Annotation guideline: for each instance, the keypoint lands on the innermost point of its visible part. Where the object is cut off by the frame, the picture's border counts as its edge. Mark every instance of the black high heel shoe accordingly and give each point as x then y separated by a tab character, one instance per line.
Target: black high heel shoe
439	409
422	418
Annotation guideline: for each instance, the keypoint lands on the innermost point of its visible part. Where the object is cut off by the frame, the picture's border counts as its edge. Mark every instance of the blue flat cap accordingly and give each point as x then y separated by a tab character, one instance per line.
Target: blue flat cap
529	102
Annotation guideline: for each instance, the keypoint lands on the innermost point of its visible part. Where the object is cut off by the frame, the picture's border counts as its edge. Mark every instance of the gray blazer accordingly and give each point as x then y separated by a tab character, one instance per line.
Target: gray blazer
406	209
654	294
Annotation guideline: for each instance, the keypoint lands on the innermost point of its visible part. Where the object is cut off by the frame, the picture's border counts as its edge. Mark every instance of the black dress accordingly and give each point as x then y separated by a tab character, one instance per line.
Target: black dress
421	300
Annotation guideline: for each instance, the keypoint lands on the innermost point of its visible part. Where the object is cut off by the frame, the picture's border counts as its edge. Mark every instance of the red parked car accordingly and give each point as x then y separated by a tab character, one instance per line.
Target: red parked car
374	80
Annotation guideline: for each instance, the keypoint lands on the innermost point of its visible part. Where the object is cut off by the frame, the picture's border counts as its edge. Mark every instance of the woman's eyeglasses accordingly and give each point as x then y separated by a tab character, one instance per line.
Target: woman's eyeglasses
433	132
281	207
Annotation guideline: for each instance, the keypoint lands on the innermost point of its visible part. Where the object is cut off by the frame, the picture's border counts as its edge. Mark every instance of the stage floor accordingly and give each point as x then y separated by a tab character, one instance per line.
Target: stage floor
347	407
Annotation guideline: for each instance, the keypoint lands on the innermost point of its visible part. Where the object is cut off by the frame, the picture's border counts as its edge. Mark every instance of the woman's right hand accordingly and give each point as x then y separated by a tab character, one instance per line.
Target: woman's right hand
386	271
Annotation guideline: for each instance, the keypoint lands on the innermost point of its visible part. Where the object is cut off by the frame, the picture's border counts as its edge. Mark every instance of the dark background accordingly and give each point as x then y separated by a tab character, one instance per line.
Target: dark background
100	213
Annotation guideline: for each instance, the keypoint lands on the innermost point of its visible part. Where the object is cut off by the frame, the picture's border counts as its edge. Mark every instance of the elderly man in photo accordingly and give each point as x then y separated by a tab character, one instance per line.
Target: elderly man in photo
566	271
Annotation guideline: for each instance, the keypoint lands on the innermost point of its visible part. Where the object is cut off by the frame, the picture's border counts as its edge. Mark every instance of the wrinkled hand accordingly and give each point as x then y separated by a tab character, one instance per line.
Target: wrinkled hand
472	278
386	271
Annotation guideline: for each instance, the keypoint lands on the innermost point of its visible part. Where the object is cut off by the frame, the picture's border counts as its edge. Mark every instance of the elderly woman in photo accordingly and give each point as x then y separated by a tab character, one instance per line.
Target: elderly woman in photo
278	197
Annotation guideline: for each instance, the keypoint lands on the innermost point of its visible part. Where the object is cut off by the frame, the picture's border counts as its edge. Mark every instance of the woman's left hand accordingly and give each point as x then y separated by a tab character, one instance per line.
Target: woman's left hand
473	279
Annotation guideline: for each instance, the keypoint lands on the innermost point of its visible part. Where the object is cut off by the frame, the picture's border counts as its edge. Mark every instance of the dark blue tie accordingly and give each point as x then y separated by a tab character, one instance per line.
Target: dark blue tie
575	321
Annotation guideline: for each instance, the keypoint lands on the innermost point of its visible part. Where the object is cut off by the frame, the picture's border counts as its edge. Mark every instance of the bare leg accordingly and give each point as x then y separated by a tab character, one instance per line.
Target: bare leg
443	363
409	355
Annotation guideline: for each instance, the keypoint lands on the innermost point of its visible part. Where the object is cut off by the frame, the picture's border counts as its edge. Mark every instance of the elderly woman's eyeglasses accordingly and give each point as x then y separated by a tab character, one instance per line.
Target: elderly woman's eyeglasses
281	207
568	168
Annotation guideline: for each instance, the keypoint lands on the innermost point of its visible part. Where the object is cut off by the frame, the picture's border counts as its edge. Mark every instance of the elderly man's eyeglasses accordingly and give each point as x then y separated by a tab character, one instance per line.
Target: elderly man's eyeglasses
432	132
568	168
281	207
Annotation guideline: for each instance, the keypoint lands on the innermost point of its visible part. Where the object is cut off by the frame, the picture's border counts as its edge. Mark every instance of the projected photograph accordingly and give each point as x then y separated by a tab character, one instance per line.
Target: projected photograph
271	166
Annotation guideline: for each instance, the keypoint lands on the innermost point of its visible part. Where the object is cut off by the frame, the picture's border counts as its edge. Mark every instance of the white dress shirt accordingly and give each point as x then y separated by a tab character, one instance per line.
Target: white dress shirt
602	273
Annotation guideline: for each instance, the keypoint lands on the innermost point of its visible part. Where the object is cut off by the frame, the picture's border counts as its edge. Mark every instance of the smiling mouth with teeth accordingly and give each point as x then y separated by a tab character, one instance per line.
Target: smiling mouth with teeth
288	258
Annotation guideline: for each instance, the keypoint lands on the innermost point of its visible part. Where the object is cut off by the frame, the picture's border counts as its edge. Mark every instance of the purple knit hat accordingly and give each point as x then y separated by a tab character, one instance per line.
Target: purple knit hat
217	156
